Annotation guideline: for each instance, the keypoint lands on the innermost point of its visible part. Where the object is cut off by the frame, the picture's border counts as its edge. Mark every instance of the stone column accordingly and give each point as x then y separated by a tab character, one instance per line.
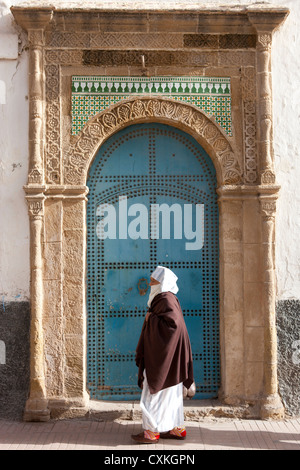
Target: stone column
36	406
64	306
231	296
265	25
271	406
34	22
265	131
36	102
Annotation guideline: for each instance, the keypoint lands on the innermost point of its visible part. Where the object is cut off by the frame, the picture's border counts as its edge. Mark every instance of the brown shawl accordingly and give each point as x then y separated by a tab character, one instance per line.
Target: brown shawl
164	348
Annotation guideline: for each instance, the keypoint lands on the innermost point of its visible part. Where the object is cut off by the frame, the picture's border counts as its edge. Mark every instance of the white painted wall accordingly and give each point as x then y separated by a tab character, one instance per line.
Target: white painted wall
286	113
14	226
14	231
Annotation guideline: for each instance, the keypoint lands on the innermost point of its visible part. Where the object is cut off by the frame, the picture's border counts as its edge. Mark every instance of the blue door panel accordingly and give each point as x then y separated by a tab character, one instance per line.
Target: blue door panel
121	291
148	166
127	157
121	335
190	293
120	373
116	251
170	152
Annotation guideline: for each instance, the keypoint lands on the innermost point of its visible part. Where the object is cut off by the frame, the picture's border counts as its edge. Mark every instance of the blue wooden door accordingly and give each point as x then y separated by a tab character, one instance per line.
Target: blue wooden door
152	201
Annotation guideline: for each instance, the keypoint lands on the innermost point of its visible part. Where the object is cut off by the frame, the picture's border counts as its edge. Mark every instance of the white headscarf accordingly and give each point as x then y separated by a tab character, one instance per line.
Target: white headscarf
167	282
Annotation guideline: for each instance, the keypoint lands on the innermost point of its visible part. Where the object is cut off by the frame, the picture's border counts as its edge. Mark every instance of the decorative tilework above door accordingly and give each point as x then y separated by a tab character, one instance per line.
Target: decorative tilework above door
93	94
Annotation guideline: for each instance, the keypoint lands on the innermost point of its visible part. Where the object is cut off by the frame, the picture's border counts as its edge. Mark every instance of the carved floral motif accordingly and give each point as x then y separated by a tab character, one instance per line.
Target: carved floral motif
268	209
35	207
53	161
35	176
264	40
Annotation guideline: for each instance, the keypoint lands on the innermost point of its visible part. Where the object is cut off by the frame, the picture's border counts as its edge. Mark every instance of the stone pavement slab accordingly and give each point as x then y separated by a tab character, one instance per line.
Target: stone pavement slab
114	437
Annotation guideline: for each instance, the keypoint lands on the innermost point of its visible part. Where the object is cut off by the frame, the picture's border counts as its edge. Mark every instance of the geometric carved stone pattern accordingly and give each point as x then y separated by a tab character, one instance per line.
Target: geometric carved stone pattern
220	41
157	40
156	58
249	123
109	40
250	142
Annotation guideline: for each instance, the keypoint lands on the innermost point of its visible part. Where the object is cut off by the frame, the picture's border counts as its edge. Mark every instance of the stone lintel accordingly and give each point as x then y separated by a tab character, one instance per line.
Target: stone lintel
203	19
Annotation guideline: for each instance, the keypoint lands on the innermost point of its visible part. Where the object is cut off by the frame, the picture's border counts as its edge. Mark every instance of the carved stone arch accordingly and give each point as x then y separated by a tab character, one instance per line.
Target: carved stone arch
184	116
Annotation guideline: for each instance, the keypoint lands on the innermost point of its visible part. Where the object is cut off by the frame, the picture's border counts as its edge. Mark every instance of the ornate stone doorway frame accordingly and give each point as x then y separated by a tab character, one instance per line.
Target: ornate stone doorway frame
56	190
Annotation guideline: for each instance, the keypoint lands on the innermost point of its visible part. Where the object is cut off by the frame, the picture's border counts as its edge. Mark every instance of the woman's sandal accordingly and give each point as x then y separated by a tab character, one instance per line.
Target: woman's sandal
142	439
168	435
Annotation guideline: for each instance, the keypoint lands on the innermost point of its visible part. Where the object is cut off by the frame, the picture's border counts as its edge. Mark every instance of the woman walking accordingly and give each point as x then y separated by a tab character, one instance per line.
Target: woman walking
164	359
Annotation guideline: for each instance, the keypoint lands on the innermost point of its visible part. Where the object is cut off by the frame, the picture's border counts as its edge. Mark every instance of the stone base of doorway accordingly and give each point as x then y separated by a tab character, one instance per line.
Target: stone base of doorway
193	410
131	411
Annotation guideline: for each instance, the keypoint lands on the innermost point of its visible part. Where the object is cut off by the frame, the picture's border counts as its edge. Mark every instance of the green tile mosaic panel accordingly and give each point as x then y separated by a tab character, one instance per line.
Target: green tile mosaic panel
91	95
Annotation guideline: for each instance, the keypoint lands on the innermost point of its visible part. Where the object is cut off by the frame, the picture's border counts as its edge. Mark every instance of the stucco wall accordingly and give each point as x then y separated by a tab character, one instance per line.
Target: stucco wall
14	234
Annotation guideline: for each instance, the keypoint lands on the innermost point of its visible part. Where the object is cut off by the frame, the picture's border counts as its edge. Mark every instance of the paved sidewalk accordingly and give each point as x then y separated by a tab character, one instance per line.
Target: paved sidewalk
114	436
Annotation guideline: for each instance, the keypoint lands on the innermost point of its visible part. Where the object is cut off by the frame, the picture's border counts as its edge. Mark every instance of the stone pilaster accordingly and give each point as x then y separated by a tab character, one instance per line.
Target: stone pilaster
37	404
271	406
35	24
36	99
265	25
265	133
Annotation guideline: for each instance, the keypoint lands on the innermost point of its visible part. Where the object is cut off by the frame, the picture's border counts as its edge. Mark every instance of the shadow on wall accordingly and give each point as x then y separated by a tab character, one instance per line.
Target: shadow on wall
14	358
288	333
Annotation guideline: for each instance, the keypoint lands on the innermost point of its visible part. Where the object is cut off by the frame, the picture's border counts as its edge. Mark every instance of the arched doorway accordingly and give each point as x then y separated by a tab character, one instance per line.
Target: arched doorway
56	190
152	200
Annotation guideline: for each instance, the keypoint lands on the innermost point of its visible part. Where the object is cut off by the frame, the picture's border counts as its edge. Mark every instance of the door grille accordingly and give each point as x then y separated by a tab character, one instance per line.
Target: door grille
149	164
